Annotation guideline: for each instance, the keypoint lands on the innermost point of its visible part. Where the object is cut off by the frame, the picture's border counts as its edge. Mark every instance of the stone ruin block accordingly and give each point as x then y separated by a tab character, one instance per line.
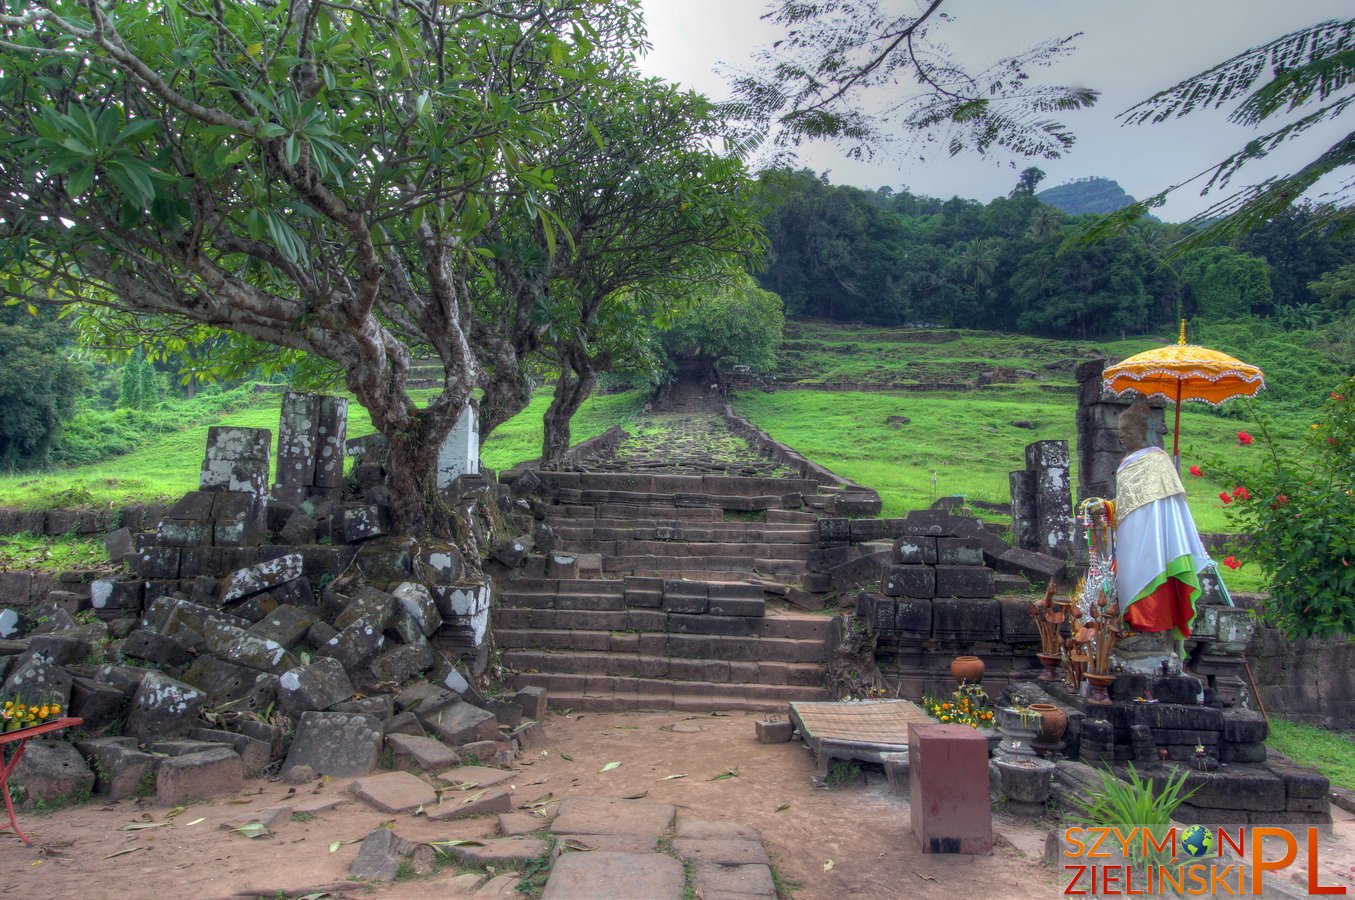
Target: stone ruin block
163	707
964	581
460	451
909	581
962	619
317	686
340	745
258	578
236	460
364	521
915	550
331	433
298	431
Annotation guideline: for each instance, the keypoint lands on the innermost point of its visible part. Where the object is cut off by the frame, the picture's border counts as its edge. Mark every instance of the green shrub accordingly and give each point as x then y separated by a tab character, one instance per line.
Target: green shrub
1298	508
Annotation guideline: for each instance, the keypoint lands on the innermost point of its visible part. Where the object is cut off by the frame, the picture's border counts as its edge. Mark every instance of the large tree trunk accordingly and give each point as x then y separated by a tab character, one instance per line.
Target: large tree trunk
577	378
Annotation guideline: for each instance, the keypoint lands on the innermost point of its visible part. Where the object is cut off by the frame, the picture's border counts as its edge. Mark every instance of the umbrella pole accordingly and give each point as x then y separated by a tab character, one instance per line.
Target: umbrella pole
1176	430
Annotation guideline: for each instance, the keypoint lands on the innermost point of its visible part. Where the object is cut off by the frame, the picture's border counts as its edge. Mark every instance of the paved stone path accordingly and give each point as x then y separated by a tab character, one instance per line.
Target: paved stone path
613	848
687	443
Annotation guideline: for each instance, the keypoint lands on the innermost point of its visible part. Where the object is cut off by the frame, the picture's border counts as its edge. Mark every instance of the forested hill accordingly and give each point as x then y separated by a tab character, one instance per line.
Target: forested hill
1086	195
893	257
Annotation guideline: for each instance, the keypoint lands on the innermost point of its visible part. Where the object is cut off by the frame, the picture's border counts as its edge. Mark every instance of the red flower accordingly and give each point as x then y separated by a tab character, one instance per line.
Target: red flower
1241	493
1244	439
1231	562
1282	500
1196	471
1225	497
1336	396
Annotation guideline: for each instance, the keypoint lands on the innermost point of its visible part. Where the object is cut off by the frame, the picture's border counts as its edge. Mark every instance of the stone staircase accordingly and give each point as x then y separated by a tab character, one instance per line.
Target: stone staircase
650	643
671	609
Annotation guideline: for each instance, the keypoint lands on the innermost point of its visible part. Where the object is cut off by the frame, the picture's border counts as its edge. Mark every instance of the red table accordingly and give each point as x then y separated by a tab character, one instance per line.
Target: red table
7	763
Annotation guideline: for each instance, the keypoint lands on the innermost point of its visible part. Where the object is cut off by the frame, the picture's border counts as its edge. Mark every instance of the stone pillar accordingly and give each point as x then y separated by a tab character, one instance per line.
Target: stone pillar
948	789
311	433
460	452
1098	435
1048	461
237	460
1025	517
331	433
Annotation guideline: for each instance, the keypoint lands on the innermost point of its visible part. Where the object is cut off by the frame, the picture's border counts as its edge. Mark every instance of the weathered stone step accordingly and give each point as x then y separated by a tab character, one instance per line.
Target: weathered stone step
646	530
811	628
636	665
602	587
652	564
625	548
614	511
636	484
743	648
661	690
681	703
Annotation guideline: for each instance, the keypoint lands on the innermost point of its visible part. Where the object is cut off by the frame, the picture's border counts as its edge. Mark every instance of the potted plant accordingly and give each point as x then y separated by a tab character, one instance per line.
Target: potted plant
1048	617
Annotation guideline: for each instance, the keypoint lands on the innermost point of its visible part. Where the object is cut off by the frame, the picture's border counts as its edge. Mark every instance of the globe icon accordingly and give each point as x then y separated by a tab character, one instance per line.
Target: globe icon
1197	841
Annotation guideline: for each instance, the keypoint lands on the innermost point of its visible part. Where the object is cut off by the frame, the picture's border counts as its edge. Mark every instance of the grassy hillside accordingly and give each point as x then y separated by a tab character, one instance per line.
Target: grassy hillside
166	465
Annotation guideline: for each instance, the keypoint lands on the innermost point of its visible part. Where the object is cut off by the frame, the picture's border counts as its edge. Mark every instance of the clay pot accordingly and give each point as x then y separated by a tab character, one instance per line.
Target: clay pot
967	669
1100	692
1053	723
1050	662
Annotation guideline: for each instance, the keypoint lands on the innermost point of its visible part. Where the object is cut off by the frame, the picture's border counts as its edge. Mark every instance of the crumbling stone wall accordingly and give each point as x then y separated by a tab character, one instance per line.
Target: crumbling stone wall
1098	431
1042	505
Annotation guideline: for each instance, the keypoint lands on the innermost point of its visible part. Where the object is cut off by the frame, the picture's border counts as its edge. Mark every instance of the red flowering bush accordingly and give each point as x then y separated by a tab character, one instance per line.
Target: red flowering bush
1298	509
1196	471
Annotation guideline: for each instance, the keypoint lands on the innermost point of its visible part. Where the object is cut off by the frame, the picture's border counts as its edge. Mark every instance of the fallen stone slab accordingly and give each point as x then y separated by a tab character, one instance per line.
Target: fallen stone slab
163	707
51	770
459	723
721	851
500	887
423	694
688	826
530	736
211	773
120	769
533	701
516	823
341	745
269	818
477	776
238	646
608	815
417	600
586	876
394	792
428	754
286	625
317	686
505	851
712	880
258	578
256	754
379	856
498	754
39	680
156	648
354	645
611	843
317	805
479	802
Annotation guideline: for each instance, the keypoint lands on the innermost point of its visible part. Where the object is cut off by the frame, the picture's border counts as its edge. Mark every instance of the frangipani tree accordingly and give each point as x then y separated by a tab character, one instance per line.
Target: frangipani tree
311	175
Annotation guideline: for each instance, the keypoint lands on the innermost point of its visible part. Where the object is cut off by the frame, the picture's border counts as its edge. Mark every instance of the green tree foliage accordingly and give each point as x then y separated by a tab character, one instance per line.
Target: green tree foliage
39	385
1336	289
1223	284
1030	179
311	176
1299	510
739	324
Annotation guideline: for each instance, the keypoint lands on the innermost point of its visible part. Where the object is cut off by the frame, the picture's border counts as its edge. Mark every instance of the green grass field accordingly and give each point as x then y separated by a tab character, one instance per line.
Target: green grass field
1330	752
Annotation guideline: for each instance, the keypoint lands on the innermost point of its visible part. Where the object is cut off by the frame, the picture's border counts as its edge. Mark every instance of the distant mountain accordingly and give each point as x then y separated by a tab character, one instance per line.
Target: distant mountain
1087	195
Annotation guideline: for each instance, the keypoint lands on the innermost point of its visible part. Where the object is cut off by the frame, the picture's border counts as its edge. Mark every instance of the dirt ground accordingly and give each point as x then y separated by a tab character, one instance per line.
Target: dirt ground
853	841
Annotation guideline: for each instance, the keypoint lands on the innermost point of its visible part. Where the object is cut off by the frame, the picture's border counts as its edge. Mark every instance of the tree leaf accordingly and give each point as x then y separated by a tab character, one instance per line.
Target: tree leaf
828	866
334	847
671	777
566	757
781	807
639	796
609	767
727	774
123	852
253	830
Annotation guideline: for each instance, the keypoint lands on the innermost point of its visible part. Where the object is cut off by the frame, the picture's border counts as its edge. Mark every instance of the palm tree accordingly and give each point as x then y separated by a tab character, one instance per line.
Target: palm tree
976	261
1045	222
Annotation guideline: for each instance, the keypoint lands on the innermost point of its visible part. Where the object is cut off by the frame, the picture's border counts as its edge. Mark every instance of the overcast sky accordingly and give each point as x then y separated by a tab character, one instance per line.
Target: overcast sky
1128	51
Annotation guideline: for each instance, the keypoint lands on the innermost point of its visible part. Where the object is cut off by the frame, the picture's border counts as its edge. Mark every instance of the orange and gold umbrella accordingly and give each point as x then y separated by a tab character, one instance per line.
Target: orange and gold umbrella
1184	372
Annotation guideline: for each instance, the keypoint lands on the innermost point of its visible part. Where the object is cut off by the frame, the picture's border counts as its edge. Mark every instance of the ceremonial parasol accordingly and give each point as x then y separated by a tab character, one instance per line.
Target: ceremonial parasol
1184	372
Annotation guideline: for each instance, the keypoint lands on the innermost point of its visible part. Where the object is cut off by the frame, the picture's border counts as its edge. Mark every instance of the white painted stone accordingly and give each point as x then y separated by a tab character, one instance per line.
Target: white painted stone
9	622
460	452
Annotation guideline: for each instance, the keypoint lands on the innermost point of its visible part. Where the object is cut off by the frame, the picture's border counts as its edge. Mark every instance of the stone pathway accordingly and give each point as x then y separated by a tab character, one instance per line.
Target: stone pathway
687	443
637	848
